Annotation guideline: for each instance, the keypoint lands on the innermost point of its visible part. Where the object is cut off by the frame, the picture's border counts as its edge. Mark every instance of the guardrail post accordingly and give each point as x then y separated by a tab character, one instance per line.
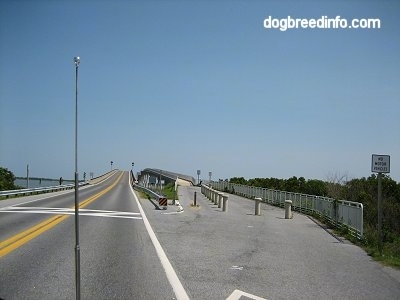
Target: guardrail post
258	206
224	202
288	209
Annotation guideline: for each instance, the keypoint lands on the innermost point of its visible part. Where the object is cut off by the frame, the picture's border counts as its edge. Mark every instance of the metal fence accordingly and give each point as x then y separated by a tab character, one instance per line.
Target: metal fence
339	213
38	190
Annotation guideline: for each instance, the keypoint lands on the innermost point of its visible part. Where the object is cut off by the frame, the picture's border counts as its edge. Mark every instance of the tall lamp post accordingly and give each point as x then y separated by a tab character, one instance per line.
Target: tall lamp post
111	163
77	60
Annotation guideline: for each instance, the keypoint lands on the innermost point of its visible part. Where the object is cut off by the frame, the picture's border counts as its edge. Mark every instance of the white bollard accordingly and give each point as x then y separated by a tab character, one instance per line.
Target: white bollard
224	202
220	195
258	206
288	209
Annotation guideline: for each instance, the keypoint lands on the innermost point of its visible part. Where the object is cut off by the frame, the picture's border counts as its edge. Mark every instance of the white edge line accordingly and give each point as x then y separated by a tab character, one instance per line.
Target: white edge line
62	192
173	279
60	209
42	198
67	211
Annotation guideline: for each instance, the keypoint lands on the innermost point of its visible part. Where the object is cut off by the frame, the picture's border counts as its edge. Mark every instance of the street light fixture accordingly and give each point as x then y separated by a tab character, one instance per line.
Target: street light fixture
77	61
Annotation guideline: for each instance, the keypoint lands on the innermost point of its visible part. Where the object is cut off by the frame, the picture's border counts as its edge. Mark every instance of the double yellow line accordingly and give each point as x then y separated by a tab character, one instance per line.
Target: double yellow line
25	236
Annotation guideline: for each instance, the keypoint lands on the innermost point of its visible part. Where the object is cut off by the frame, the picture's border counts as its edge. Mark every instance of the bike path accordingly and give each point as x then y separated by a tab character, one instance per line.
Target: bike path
215	253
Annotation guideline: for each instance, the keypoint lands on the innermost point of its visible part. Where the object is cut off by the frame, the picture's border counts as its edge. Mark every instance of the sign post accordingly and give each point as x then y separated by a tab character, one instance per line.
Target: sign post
198	176
380	164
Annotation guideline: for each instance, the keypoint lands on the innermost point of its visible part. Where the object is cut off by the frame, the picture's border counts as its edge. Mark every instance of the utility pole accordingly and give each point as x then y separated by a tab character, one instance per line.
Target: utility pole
27	176
77	247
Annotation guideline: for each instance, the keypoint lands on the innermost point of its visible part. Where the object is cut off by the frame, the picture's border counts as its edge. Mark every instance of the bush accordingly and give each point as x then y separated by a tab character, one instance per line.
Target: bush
7	179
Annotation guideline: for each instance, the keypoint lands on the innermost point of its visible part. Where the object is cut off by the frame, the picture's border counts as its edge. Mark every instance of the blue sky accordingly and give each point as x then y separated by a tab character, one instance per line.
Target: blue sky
187	85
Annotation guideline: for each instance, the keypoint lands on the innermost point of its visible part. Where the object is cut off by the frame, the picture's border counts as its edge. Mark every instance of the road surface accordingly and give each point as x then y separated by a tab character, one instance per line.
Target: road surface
132	250
118	259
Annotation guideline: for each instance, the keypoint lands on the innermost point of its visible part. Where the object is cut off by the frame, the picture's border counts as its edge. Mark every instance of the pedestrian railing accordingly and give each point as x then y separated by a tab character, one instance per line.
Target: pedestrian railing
341	214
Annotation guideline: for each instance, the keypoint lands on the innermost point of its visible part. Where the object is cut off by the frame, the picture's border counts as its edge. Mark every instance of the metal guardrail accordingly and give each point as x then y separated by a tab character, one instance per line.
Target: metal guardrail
339	213
38	190
161	199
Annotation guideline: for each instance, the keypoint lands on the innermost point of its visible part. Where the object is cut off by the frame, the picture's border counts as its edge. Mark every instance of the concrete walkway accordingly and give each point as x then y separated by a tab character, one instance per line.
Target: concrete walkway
215	253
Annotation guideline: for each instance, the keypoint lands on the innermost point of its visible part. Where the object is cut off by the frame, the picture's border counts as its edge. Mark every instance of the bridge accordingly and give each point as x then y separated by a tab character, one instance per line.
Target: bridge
131	250
151	176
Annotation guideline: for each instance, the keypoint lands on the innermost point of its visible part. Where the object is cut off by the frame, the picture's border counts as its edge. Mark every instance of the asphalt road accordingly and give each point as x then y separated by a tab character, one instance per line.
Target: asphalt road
131	251
118	259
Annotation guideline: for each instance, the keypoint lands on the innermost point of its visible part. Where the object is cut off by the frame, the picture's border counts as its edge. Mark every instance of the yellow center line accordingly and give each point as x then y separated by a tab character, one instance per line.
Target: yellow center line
25	236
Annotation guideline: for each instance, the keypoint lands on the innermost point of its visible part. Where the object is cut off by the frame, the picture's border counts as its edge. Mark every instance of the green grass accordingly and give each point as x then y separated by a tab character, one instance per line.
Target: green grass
391	249
390	252
169	191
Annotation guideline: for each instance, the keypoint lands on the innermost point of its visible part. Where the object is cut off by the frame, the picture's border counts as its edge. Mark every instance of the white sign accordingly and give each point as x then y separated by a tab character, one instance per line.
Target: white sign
380	163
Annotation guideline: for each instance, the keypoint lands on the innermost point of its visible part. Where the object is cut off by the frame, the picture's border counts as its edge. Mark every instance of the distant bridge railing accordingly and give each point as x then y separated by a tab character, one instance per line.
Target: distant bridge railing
25	192
339	213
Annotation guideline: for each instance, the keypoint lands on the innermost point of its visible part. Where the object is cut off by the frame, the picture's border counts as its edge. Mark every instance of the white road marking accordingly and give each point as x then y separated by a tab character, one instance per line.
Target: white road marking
71	211
42	198
172	213
236	268
236	295
173	279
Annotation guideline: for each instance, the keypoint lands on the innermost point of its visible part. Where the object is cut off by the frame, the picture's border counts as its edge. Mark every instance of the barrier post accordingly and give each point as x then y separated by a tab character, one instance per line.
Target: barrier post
220	195
288	209
258	206
224	202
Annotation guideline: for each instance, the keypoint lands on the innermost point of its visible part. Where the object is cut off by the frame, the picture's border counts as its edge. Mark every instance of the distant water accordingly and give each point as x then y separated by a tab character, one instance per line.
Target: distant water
38	182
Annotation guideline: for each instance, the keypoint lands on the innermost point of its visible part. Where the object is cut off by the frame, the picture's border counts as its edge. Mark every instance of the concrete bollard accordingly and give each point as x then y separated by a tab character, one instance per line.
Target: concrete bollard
258	206
288	209
224	202
215	197
220	199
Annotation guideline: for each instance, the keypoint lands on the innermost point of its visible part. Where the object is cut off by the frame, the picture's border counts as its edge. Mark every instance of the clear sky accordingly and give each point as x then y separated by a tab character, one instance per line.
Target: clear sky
188	85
